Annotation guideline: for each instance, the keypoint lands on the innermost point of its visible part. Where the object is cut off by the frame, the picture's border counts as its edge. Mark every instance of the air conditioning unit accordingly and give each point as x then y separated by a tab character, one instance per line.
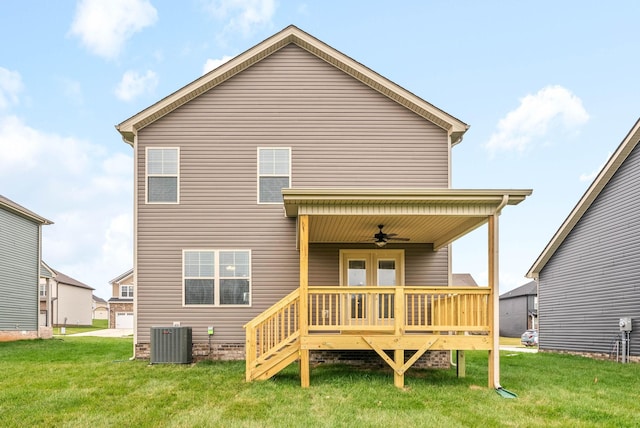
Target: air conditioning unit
171	345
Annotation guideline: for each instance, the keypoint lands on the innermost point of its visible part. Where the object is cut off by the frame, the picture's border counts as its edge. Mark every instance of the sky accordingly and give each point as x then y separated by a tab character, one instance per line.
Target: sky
548	88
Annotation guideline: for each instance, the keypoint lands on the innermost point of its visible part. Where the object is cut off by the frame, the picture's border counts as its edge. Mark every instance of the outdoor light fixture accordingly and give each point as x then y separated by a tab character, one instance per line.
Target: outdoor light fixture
380	243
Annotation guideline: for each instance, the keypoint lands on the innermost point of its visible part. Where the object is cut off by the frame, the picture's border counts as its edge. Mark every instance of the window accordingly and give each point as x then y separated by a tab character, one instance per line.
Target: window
217	277
162	175
126	291
43	290
274	173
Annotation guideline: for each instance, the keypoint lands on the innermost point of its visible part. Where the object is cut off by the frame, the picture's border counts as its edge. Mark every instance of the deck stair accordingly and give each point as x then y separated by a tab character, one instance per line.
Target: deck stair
273	339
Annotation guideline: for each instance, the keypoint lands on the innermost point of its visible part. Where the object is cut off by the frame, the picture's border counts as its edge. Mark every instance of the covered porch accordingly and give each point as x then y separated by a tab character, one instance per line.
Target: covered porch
373	308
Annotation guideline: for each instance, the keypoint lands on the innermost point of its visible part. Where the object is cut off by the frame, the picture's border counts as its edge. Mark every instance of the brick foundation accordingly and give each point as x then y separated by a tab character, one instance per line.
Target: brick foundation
235	351
12	335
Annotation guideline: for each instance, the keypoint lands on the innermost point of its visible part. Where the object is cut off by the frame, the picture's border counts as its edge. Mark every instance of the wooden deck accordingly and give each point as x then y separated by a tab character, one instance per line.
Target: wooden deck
399	319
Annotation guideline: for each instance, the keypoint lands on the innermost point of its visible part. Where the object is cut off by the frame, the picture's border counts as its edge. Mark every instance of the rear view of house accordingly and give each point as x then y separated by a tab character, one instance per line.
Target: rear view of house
20	250
294	204
589	293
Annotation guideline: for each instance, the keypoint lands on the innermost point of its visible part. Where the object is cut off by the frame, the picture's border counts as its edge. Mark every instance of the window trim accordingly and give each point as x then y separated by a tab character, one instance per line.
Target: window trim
258	175
216	278
122	296
147	175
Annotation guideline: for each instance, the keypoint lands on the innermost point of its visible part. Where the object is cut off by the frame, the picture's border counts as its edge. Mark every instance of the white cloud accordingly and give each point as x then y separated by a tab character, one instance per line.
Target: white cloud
244	16
592	175
134	84
84	190
104	26
552	109
10	86
211	64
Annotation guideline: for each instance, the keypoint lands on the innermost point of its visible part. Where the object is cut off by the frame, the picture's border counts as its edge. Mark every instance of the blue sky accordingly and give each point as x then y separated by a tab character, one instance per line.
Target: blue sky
549	88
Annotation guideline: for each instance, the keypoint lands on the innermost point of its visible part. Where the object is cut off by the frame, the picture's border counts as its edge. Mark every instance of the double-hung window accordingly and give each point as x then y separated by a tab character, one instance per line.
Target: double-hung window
126	291
217	277
274	173
163	167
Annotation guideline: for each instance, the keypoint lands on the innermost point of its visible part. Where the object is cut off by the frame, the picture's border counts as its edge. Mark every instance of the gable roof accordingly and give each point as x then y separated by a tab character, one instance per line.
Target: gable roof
463	280
98	299
292	35
122	276
608	171
65	279
18	209
528	289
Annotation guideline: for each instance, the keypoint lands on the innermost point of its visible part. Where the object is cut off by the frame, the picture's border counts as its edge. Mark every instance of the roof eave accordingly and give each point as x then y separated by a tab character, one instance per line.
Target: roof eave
608	171
291	34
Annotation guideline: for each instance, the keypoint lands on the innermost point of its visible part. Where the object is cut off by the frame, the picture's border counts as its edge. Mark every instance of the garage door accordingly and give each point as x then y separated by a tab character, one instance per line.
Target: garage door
124	319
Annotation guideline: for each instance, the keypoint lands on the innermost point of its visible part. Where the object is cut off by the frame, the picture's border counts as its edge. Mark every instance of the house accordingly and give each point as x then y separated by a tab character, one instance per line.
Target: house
46	303
68	301
588	273
100	308
519	310
121	301
296	193
20	250
463	280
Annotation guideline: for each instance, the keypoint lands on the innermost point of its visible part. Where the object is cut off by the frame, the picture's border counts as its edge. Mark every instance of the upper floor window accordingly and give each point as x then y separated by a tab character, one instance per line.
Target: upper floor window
216	277
43	290
163	167
274	173
126	291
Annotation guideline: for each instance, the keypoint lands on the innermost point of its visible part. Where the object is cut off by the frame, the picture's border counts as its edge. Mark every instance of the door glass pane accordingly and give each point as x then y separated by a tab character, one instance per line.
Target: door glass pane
357	272
357	276
386	277
387	272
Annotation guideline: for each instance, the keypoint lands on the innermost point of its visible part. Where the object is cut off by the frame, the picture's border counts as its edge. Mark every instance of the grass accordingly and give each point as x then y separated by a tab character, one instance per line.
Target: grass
87	381
96	325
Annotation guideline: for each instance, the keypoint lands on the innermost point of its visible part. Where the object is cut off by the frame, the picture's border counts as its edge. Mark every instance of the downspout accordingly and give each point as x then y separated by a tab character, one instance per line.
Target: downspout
496	305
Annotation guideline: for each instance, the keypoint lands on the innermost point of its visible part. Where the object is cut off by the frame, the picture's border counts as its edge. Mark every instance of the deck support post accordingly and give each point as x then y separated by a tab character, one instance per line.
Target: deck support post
461	364
494	319
303	322
398	378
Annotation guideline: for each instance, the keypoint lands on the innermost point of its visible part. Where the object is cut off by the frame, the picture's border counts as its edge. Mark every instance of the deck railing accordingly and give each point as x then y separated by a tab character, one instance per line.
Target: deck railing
273	337
400	309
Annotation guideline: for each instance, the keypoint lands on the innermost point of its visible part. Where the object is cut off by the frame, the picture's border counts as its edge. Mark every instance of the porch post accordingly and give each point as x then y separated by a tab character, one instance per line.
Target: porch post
303	321
494	320
398	355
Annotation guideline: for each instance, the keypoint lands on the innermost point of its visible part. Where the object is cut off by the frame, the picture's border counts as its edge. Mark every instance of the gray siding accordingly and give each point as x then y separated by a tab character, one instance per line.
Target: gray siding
514	316
593	279
342	134
19	260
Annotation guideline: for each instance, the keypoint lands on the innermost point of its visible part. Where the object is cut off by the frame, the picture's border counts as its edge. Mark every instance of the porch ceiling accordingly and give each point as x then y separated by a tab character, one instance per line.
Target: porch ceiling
424	216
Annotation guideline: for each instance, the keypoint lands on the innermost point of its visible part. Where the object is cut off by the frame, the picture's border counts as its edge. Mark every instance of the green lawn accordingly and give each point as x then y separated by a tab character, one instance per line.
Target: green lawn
96	325
90	382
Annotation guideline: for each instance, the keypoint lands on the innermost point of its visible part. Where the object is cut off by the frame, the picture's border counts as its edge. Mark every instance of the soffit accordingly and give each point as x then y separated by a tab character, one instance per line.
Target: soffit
424	216
292	34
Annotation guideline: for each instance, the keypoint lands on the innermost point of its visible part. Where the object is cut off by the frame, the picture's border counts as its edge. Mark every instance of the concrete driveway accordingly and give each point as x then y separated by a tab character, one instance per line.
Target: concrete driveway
107	332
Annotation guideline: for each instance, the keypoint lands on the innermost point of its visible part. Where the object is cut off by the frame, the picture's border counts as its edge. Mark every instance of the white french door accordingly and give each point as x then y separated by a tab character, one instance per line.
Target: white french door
383	268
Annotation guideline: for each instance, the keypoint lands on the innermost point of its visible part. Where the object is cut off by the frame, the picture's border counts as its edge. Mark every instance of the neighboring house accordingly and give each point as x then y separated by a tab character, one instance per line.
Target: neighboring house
121	313
20	252
519	310
46	303
297	193
588	273
100	308
70	301
463	280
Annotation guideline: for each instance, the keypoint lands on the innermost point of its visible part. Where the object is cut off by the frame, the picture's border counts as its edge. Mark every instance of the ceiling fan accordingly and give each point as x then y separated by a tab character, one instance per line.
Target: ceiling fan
381	238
